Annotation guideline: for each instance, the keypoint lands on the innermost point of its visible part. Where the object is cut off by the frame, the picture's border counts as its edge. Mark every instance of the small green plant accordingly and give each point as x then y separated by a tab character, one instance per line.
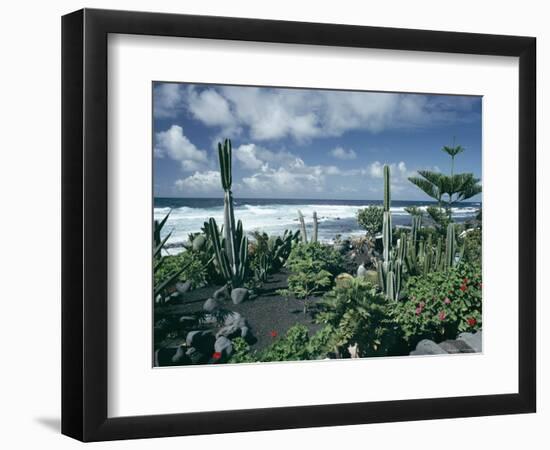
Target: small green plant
357	314
371	219
295	345
313	268
439	305
473	246
193	266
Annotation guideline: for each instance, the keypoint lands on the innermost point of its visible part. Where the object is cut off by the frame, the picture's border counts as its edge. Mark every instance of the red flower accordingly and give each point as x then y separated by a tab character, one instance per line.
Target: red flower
465	280
463	287
273	333
471	321
447	301
217	355
418	311
442	315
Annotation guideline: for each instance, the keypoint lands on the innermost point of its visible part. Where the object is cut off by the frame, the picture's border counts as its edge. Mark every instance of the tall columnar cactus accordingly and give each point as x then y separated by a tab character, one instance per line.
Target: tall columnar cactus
315	227
303	231
232	251
390	268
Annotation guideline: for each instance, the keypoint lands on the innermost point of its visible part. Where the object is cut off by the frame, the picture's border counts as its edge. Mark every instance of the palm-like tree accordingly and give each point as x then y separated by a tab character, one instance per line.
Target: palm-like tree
457	187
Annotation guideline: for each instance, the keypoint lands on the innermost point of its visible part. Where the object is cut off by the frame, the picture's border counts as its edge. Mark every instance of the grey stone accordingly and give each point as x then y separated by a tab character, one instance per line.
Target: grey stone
183	287
180	357
239	295
473	340
210	305
233	325
427	347
201	340
195	356
221	294
455	346
361	271
245	331
224	346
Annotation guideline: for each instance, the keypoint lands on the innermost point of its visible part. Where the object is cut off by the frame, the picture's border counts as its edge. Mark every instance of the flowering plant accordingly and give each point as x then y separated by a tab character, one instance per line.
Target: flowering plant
440	305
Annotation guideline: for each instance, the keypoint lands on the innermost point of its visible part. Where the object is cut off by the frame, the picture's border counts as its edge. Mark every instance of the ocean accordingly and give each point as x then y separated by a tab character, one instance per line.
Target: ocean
275	215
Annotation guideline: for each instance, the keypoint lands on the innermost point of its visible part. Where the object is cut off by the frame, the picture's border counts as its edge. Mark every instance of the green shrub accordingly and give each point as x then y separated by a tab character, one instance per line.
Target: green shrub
313	266
295	345
358	315
195	273
440	305
370	218
472	246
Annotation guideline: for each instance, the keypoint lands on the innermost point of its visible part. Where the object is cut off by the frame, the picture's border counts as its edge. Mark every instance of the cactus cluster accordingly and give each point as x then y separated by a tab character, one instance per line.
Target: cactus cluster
231	251
303	231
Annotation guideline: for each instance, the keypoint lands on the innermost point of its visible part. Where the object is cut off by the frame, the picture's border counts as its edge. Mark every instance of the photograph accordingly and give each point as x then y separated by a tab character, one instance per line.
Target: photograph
294	224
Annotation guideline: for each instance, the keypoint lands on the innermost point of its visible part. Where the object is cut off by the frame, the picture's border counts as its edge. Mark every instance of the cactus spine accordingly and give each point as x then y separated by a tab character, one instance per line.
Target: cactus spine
232	251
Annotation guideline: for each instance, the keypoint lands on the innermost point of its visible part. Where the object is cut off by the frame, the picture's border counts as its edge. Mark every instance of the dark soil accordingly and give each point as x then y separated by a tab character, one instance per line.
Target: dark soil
268	314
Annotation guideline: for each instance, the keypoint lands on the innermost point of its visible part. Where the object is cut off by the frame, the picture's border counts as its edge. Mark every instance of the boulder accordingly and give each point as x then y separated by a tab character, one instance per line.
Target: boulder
210	305
233	325
455	346
180	357
473	340
203	341
183	287
195	356
239	295
361	271
223	346
221	294
427	347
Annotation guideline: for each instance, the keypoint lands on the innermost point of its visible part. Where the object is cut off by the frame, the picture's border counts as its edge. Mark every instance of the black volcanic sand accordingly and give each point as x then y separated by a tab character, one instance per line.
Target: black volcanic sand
266	313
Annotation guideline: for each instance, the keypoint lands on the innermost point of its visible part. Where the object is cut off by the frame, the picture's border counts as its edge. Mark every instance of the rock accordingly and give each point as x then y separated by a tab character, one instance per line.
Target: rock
427	347
233	324
361	271
187	321
183	287
201	340
473	340
198	242
456	346
195	356
239	295
245	332
221	294
180	357
210	305
224	346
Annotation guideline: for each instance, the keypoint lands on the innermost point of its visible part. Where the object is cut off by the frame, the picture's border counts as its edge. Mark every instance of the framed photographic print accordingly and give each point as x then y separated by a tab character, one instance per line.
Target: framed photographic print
267	223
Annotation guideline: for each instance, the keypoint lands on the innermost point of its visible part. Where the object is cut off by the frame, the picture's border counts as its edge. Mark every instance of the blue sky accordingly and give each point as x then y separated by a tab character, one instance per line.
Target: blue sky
306	143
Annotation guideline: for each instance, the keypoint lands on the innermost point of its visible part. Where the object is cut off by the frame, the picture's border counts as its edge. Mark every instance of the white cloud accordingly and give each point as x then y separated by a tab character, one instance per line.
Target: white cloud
269	114
200	182
174	144
285	181
254	157
210	107
167	100
342	153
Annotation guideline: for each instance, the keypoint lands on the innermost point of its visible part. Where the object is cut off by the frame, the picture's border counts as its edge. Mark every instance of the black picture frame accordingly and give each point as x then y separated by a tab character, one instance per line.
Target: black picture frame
84	224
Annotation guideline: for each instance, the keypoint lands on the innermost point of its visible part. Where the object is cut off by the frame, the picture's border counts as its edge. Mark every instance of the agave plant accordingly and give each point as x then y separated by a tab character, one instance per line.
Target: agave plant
161	288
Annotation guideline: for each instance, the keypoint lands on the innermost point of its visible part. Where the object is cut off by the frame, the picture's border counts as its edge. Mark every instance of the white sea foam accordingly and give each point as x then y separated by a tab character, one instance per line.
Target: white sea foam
275	218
